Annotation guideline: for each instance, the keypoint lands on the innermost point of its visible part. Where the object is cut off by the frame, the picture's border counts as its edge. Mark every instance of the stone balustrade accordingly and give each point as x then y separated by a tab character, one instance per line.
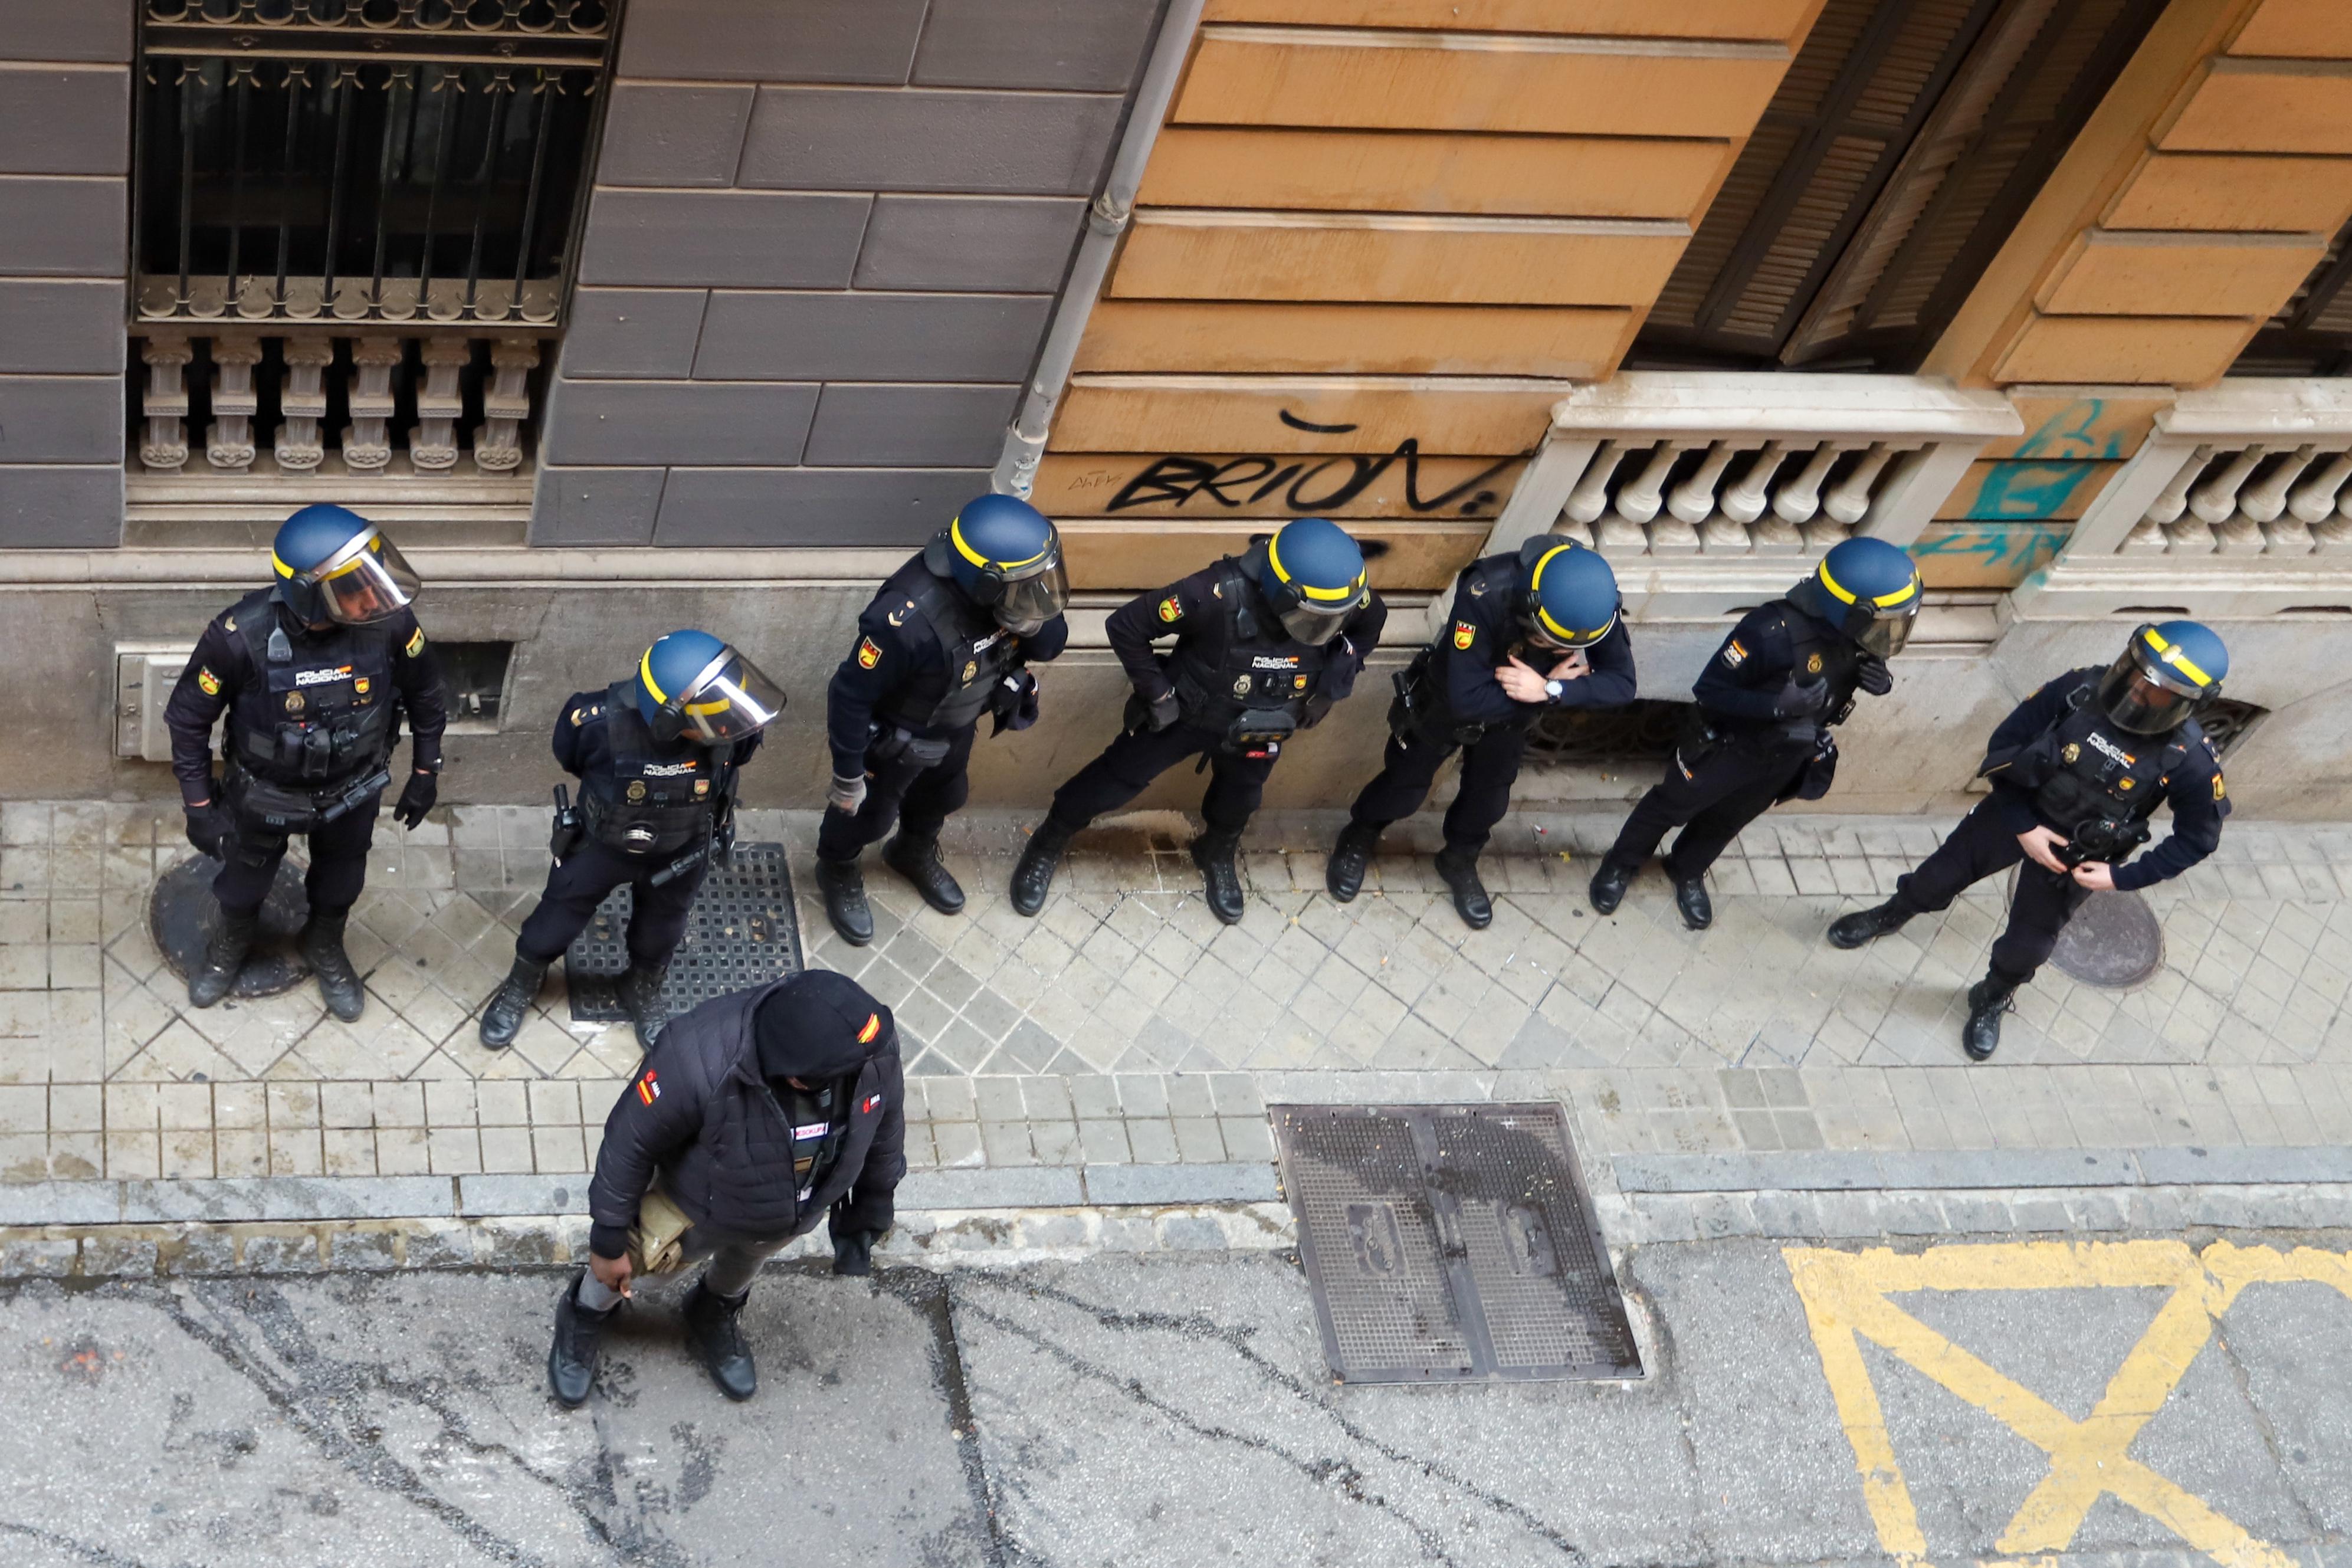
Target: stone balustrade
2239	502
423	429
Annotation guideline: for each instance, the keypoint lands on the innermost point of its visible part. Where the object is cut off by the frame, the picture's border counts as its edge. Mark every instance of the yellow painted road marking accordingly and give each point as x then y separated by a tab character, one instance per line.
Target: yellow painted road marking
1846	1301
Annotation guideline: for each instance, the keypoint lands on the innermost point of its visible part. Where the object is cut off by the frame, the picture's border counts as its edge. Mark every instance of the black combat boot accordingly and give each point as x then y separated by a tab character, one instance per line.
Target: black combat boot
339	982
842	883
1988	999
1460	869
1608	889
571	1359
918	860
214	976
1033	875
1867	925
1351	858
509	1005
710	1321
1690	898
1221	879
640	993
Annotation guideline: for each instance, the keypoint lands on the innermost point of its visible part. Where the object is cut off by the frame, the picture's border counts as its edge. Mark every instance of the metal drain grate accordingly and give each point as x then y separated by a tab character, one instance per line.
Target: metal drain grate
1451	1242
742	932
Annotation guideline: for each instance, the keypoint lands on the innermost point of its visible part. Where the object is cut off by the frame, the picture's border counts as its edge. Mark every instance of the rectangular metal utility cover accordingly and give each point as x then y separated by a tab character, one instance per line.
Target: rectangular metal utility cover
742	932
1451	1242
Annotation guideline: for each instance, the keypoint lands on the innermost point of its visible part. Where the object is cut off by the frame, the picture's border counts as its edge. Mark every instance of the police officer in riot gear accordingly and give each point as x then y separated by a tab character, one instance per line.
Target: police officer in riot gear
658	754
1266	642
315	673
947	638
2076	772
1535	629
1768	701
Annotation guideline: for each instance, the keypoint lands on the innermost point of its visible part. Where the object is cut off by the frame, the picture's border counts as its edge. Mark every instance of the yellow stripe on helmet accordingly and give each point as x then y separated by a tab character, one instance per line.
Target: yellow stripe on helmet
646	674
1273	559
283	570
955	537
2171	654
1535	580
1846	596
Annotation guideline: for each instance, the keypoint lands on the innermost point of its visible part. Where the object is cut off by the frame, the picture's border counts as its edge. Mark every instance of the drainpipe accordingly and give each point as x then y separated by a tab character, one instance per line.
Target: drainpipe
1107	220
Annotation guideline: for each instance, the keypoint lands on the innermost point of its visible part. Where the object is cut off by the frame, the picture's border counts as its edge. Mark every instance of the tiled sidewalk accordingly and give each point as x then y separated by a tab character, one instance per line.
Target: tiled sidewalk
1126	1027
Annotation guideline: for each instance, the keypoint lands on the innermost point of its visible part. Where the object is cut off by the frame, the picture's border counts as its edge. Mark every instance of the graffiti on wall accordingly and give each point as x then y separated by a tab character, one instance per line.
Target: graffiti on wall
1961	555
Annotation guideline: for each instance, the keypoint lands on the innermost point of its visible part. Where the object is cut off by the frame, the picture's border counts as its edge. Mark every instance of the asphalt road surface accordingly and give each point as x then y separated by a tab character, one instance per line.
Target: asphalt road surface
1801	1406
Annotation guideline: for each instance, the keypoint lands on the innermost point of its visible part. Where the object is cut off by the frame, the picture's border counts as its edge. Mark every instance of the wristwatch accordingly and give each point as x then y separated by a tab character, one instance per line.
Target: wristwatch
1552	689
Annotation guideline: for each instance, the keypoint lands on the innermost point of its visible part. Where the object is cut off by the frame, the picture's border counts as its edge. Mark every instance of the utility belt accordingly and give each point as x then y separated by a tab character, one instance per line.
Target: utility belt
896	747
1704	734
1418	710
278	808
2108	840
646	830
1254	732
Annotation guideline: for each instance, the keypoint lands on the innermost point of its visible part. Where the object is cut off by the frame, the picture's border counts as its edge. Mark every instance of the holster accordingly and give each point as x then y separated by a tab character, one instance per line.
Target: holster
1820	771
279	810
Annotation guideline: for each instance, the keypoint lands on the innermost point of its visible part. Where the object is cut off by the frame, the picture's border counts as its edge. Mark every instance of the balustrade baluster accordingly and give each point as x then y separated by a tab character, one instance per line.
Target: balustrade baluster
367	439
165	402
2167	507
1849	499
228	439
1796	502
2145	538
1590	499
302	402
2266	497
2216	501
2314	500
439	405
506	405
1745	502
1638	502
1694	498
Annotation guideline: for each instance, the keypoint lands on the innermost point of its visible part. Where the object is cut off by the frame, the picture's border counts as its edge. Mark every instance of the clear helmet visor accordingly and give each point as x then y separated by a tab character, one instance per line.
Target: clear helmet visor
374	585
1885	634
2141	706
1315	625
732	701
1029	602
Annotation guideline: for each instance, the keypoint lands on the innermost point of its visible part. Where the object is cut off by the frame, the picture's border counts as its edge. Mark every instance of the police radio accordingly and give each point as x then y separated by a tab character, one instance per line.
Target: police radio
564	837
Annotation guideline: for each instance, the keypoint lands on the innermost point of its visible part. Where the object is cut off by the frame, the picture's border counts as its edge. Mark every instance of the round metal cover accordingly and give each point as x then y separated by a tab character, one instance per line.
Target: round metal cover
2113	942
181	917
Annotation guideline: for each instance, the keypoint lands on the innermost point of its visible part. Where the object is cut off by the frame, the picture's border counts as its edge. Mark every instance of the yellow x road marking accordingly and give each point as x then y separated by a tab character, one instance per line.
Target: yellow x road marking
1846	1296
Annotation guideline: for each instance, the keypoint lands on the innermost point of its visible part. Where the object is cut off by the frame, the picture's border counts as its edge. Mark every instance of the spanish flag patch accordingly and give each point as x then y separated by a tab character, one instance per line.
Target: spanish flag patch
869	653
1464	634
648	1090
871	1101
416	642
873	1027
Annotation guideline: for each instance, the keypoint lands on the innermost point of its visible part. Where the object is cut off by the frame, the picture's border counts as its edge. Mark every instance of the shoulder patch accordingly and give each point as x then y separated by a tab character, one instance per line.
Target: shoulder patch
648	1087
869	653
579	716
207	681
416	642
1464	634
228	622
2221	790
897	618
1735	653
1172	609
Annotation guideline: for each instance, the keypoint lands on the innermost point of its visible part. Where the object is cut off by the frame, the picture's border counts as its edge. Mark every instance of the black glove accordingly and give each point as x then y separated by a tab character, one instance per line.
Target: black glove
1802	701
854	1254
1014	704
1164	710
209	827
1873	676
417	799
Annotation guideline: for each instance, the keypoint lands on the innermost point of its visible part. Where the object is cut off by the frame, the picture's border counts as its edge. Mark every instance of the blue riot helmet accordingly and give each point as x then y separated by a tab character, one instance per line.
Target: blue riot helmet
691	684
1006	557
1867	589
2167	675
1568	595
1313	577
334	565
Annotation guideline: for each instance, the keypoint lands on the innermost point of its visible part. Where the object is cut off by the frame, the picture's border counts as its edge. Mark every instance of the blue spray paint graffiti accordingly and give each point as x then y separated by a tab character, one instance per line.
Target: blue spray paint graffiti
2013	548
2069	433
2023	490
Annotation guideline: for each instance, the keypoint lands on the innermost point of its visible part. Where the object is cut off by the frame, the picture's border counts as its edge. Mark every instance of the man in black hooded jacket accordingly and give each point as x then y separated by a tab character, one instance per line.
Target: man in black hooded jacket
756	1114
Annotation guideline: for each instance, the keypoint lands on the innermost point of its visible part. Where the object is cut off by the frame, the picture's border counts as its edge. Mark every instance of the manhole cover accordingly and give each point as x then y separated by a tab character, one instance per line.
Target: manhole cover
182	916
742	934
1450	1242
2113	940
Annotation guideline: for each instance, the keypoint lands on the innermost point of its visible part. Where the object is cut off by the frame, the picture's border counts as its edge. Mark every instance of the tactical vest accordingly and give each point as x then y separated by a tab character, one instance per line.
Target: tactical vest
975	655
1242	661
320	713
2092	772
1814	652
819	1120
647	799
1429	701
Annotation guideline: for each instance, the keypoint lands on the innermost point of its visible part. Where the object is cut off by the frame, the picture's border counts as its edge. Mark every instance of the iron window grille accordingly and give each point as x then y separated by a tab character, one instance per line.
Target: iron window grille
345	163
1643	732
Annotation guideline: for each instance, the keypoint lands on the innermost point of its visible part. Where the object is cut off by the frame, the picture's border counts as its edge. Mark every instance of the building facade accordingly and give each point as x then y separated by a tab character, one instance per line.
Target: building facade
627	314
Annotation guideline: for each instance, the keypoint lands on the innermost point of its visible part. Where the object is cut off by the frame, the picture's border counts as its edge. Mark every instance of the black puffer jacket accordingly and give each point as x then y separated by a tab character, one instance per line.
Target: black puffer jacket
699	1112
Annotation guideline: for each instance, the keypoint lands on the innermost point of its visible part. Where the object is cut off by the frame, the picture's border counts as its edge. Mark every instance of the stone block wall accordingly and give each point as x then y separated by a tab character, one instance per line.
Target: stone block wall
65	151
821	253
